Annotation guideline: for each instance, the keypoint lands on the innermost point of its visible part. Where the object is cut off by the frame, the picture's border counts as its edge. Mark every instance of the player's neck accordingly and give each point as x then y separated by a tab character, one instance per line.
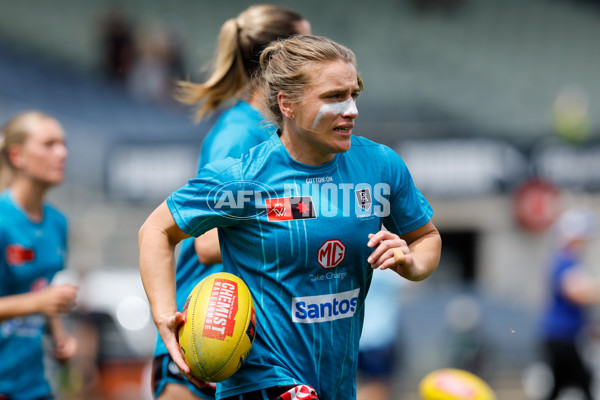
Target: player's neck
256	99
29	196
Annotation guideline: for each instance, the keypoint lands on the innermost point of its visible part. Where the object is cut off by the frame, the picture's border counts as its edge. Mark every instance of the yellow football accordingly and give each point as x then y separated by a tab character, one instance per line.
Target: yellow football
454	384
219	327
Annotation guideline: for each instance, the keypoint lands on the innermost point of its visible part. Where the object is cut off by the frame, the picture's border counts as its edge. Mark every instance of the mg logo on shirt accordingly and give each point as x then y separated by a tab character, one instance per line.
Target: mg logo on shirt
331	253
327	307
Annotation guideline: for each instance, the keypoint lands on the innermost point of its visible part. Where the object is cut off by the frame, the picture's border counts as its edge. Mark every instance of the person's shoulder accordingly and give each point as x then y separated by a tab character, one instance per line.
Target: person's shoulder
364	145
239	127
5	207
52	212
232	167
6	204
363	141
260	153
240	114
4	198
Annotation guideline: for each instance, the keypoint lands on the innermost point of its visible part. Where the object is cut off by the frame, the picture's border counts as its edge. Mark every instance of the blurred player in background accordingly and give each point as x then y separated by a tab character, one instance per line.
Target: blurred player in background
321	263
33	248
379	356
236	76
572	291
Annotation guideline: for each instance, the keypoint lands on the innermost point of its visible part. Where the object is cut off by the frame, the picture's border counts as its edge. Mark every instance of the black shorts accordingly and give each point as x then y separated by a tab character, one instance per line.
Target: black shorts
285	392
165	371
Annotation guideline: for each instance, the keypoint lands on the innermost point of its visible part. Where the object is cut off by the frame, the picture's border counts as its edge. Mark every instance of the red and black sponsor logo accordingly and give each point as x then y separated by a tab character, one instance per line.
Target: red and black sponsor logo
290	208
17	255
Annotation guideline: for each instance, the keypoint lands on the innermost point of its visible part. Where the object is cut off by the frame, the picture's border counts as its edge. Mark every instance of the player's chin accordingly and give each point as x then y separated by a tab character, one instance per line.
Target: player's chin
342	145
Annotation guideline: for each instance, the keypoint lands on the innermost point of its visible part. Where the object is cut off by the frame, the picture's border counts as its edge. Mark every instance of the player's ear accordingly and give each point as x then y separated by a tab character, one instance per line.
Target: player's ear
285	105
16	157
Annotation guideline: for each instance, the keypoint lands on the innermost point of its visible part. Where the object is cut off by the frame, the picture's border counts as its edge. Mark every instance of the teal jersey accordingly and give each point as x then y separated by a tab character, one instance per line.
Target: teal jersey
31	253
237	130
297	235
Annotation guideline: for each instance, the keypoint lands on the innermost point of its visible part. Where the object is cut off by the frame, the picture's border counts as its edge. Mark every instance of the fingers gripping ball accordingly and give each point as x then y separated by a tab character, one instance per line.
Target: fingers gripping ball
454	384
219	327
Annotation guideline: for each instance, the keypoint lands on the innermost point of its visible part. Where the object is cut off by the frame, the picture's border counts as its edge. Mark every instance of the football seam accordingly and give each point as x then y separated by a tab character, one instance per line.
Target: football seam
246	323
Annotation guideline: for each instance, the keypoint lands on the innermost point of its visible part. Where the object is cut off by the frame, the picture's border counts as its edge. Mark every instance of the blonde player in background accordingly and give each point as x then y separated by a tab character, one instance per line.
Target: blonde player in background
33	248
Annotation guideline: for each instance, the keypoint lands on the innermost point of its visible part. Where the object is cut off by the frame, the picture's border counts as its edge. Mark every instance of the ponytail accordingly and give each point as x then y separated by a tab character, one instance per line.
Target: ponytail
241	40
227	79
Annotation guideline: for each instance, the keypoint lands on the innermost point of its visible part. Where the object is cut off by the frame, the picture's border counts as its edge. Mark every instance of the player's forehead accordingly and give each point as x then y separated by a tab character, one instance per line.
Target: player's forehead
337	75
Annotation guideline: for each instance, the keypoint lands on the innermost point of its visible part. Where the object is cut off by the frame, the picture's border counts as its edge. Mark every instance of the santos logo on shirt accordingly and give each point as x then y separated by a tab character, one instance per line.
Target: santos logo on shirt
327	307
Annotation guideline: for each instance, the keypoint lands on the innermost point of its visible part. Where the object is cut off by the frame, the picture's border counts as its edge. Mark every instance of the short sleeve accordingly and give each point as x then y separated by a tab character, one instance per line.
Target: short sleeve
210	200
232	146
409	209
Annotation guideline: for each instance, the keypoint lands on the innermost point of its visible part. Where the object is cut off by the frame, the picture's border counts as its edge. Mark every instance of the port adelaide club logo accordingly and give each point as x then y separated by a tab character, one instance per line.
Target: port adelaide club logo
363	196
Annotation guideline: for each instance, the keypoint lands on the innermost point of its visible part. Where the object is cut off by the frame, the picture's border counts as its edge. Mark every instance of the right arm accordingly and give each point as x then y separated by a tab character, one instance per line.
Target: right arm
157	239
51	301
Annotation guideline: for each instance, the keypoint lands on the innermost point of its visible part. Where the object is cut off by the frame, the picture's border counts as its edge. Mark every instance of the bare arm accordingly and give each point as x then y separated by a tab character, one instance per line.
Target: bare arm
414	256
65	345
580	287
51	301
207	248
157	239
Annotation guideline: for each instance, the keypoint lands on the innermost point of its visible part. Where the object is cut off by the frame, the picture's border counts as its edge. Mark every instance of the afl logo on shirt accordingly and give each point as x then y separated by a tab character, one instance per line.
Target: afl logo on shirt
17	255
331	253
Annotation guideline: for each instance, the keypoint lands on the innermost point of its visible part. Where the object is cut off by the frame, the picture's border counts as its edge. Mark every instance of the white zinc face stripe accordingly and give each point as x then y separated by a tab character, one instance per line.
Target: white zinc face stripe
340	108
